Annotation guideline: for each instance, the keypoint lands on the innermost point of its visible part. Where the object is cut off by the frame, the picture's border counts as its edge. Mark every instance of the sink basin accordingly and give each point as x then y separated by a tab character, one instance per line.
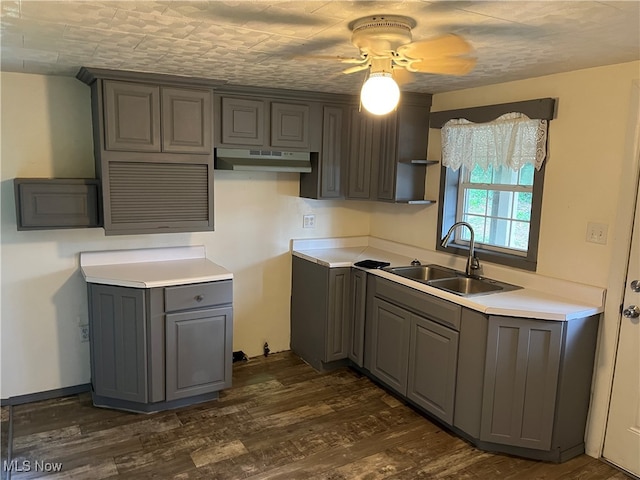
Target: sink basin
422	273
466	285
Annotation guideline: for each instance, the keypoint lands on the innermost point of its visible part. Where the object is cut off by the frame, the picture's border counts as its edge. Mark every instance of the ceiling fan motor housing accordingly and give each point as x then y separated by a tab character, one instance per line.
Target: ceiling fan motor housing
381	34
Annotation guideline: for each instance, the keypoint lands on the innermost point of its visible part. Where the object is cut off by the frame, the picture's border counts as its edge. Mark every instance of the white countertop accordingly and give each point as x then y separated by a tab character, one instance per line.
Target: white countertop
152	267
540	302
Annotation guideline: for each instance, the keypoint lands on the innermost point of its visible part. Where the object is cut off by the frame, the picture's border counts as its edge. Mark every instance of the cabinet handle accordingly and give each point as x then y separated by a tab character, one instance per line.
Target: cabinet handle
198	298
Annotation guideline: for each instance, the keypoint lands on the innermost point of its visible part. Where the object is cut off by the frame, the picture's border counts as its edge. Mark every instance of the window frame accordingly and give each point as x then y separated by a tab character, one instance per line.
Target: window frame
543	109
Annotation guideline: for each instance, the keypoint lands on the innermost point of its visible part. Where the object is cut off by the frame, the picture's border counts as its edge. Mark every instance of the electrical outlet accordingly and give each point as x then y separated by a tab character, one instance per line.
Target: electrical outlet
597	233
309	221
84	333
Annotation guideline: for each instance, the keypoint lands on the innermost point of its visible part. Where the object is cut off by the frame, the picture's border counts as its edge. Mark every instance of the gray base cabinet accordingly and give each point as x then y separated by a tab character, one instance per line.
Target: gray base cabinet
319	309
356	319
390	330
153	349
521	378
433	361
520	386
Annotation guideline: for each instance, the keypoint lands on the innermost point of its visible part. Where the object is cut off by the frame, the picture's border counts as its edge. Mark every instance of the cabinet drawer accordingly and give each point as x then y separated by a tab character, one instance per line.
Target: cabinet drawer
198	295
421	303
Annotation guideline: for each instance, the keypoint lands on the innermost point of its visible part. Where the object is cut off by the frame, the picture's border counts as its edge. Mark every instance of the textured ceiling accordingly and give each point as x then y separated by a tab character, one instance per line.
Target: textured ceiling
267	43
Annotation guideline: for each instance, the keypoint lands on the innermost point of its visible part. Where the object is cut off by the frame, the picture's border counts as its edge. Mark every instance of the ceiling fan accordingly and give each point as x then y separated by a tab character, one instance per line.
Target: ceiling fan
391	58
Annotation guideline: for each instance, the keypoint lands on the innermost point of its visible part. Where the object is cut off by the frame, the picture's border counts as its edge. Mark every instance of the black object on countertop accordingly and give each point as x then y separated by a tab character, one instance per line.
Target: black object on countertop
371	264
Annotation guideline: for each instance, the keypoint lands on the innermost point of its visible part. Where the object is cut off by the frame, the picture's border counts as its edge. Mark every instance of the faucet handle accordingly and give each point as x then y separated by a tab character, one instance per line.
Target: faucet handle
475	263
415	262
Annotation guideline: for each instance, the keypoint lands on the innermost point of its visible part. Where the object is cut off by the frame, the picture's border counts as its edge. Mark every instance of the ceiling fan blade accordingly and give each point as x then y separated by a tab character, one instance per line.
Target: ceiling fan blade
449	45
402	76
356	68
444	66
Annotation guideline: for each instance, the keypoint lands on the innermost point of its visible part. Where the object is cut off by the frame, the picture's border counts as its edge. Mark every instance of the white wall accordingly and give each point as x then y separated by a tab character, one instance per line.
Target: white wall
46	132
589	167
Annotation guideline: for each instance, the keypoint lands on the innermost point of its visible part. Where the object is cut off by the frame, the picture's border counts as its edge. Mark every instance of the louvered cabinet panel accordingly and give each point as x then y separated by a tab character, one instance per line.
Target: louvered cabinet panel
157	197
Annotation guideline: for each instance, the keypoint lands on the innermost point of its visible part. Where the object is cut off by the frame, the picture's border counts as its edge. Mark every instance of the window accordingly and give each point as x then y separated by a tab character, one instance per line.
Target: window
492	178
497	203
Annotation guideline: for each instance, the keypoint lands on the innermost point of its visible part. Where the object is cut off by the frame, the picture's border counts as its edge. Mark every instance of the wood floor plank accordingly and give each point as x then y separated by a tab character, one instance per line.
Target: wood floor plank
280	420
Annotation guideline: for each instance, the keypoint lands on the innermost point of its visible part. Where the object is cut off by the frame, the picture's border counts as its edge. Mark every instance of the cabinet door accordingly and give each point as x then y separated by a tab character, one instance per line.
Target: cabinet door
521	378
387	168
336	342
242	121
390	344
433	357
132	117
331	157
118	342
289	125
186	121
199	352
358	297
363	152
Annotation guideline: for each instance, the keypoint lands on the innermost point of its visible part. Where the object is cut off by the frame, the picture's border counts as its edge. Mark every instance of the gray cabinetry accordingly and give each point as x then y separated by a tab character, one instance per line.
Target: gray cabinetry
319	312
43	203
262	122
152	118
326	178
153	143
387	154
364	152
521	378
290	125
358	299
118	343
433	359
132	117
390	331
153	349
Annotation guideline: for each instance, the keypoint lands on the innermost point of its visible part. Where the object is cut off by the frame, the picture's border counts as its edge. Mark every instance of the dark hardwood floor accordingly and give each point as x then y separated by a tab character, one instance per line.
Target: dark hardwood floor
281	420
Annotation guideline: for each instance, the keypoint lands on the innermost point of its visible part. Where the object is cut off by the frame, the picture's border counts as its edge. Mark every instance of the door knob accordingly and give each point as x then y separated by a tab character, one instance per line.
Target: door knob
632	311
635	286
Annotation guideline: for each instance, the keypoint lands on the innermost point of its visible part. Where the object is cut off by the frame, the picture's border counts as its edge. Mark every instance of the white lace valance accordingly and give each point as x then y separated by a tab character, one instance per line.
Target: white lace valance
512	140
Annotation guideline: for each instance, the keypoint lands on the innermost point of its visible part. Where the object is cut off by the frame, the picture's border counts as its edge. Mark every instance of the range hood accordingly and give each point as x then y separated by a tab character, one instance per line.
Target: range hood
262	160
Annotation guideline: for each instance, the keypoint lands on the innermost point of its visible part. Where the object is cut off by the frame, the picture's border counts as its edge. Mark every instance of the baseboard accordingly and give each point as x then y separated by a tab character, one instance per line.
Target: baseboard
49	394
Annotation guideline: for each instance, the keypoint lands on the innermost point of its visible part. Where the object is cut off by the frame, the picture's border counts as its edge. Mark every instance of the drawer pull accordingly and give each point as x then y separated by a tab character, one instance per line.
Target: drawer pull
198	298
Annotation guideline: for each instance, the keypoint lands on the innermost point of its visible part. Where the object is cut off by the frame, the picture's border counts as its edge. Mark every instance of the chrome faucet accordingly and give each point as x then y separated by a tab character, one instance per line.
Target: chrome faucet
472	261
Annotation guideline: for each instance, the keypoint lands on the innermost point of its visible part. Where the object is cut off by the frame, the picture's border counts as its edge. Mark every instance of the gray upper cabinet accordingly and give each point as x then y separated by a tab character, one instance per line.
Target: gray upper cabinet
153	143
242	121
44	203
364	152
262	122
290	125
326	178
387	155
521	378
150	118
132	117
187	117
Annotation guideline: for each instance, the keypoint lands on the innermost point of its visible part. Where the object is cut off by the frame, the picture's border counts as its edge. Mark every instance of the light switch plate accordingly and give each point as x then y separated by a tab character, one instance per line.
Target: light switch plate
597	233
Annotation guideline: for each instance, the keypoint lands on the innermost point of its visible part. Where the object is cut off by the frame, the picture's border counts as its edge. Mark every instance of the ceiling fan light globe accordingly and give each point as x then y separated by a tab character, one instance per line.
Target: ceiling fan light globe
380	94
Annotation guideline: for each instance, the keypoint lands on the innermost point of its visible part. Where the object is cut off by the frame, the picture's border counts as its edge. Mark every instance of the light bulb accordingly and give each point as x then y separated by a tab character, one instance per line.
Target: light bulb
380	93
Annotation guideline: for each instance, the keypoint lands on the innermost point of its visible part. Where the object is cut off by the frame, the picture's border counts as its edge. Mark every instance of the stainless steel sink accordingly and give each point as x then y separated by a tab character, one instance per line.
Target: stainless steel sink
423	273
452	281
466	285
